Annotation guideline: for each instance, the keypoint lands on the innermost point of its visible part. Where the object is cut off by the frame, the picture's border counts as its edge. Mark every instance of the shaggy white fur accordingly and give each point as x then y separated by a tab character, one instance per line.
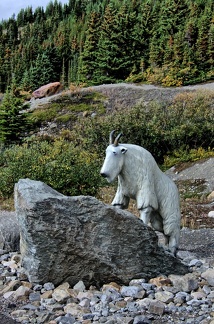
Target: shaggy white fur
140	178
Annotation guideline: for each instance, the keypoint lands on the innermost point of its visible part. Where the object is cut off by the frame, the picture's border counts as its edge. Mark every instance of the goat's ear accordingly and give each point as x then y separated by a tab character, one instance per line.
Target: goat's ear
123	150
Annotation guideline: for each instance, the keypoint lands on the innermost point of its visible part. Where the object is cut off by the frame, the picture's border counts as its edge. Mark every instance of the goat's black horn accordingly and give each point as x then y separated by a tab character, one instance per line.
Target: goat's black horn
112	137
117	139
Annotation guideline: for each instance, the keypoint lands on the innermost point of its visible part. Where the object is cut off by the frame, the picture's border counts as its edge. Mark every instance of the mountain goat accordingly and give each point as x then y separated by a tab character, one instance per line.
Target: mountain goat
140	178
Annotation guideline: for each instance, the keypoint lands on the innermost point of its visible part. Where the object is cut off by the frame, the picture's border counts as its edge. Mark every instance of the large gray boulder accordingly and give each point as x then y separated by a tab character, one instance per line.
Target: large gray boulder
80	238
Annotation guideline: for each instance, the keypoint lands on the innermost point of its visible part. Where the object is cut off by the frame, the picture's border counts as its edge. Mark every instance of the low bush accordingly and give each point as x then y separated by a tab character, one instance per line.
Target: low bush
185	124
68	169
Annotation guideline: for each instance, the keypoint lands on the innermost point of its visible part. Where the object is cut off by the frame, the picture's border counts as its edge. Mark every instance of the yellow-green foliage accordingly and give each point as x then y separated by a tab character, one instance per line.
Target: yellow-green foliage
171	76
179	156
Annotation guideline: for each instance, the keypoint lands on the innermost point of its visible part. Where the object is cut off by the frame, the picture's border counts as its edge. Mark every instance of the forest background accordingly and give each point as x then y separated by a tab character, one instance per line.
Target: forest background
167	42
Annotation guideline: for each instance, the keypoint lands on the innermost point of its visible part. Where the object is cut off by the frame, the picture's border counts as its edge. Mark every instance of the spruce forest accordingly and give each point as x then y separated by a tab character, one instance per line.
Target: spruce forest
167	42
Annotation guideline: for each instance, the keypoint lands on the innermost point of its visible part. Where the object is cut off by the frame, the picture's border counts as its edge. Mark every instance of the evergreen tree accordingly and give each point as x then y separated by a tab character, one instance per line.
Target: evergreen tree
40	73
202	42
90	49
211	46
12	122
117	45
178	48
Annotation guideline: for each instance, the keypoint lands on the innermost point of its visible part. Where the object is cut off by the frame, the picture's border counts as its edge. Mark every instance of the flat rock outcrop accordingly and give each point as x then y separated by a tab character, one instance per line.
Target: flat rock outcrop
80	238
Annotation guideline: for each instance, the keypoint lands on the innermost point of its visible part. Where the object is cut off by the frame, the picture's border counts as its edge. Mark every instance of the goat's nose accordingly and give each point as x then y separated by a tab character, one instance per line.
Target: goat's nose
103	174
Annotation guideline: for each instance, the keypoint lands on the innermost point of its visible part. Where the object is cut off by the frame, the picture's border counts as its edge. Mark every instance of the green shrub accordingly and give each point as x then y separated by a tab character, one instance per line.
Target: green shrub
68	169
186	123
190	118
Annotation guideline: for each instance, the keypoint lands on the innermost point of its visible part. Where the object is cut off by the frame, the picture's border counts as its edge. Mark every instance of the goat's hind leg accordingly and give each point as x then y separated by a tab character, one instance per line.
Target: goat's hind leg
174	239
145	214
157	225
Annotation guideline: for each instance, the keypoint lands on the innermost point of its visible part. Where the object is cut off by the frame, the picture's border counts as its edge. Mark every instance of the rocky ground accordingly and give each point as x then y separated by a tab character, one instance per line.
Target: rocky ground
172	299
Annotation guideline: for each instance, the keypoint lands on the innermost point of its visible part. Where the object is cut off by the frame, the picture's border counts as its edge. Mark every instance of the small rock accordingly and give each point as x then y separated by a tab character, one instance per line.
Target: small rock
12	285
137	282
34	296
211	297
29	307
195	263
164	296
132	291
144	303
37	287
156	307
124	320
185	283
194	302
8	294
18	313
141	319
84	302
113	285
73	309
61	293
206	289
210	197
47	294
48	286
67	319
209	276
21	291
110	294
198	294
180	298
80	286
86	294
211	213
161	281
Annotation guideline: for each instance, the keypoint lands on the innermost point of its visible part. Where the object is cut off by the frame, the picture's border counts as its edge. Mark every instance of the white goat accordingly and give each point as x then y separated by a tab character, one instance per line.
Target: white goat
140	178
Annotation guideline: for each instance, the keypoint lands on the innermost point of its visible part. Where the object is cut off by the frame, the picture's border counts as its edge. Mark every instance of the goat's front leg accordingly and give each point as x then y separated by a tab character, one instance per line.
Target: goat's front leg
145	214
120	200
122	203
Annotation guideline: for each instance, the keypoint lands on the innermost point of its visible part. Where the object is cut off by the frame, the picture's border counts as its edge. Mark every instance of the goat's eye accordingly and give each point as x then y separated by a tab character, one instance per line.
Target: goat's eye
115	153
